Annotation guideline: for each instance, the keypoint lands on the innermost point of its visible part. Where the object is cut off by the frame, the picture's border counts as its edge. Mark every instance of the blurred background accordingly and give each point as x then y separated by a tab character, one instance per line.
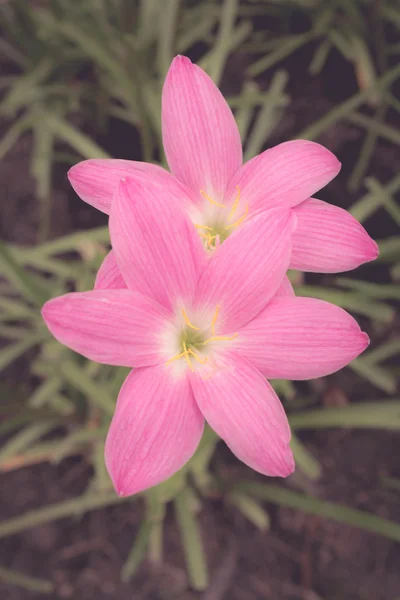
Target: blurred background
82	79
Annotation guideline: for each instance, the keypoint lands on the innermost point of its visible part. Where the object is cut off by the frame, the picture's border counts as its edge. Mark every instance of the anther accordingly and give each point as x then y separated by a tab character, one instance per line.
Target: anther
202	360
239	221
224	338
235	204
188	323
186	354
207	197
214	319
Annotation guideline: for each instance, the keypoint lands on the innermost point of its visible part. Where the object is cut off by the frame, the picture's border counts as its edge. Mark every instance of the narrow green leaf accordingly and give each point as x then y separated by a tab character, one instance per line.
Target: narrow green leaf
195	557
168	18
323	508
31	584
22	280
304	459
283	50
268	116
371	202
378	376
138	551
342	110
69	508
222	44
353	301
95	392
373	290
13	351
251	509
366	415
80	142
23	439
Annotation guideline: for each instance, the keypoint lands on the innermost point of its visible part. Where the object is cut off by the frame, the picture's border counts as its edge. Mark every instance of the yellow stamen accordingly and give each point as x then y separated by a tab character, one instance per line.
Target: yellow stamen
214	320
235	204
202	360
216	338
186	353
207	197
239	221
203	227
176	357
188	323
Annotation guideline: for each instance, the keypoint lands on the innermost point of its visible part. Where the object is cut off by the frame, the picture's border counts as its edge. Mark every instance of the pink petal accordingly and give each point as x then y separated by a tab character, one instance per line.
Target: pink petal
115	327
247	269
241	406
200	136
284	175
96	180
285	289
155	430
158	250
301	338
109	276
329	240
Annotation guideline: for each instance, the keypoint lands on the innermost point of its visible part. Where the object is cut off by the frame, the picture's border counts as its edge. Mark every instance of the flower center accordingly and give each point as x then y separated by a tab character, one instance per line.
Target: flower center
220	225
195	342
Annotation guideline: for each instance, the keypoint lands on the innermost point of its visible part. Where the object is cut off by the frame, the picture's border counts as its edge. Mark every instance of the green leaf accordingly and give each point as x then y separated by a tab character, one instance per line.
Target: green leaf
138	551
96	393
31	584
195	557
322	508
353	301
304	459
69	508
13	351
22	280
251	509
378	376
23	439
371	415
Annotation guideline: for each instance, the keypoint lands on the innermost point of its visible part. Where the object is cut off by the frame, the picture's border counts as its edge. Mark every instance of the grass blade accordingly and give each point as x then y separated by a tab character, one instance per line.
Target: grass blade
323	508
191	540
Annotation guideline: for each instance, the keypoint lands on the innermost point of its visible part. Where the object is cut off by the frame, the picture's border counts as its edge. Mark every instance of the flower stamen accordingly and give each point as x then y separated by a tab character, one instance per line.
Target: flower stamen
239	221
202	360
216	338
235	204
214	319
203	227
207	197
186	355
188	323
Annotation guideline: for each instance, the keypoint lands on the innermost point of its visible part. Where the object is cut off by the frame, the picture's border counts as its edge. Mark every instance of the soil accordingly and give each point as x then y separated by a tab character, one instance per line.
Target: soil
302	557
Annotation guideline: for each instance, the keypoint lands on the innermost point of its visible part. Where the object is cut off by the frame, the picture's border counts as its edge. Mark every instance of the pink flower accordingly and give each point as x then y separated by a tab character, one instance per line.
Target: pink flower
202	335
204	152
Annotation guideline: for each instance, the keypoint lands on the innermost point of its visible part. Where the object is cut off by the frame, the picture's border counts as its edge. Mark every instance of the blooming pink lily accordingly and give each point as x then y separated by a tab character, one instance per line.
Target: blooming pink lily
203	148
202	335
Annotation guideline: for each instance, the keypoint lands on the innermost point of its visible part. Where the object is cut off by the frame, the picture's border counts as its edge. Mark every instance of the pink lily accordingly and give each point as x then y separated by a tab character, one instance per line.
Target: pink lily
204	152
201	335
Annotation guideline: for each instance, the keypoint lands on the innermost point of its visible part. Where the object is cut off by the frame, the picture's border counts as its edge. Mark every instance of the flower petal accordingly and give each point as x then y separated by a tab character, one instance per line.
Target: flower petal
157	247
284	175
301	338
247	269
109	276
329	239
96	180
115	327
285	289
241	406
155	430
200	136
